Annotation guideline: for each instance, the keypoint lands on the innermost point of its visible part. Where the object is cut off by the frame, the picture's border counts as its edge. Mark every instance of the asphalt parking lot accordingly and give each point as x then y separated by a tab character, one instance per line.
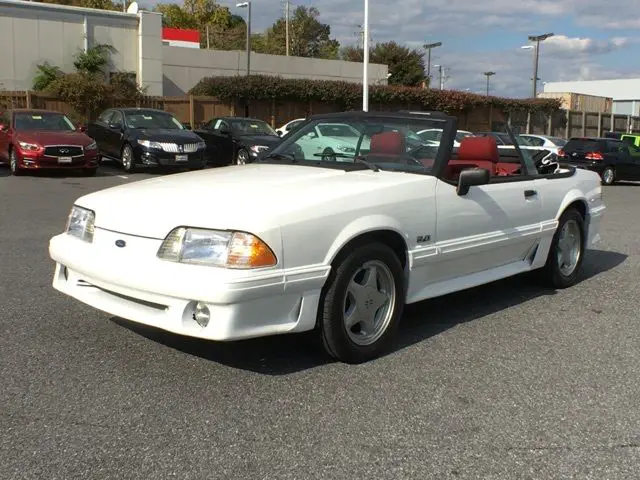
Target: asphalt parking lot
502	381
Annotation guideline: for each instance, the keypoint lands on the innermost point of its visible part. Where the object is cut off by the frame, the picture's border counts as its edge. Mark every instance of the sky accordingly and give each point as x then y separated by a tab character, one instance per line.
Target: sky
593	39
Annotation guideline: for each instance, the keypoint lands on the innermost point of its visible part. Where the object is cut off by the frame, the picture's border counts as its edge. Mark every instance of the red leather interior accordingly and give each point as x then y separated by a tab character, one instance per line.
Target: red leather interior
475	152
387	144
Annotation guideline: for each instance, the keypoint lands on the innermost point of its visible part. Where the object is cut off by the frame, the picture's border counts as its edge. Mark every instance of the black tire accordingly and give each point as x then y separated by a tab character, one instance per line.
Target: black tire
128	166
242	157
328	155
14	168
551	274
608	176
336	339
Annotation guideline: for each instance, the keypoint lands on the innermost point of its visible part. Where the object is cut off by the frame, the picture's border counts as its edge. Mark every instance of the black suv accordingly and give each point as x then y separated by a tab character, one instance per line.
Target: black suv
612	159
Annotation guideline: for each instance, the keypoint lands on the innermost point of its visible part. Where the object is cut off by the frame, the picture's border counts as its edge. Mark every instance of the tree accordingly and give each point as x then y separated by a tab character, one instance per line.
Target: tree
406	66
45	76
307	36
94	59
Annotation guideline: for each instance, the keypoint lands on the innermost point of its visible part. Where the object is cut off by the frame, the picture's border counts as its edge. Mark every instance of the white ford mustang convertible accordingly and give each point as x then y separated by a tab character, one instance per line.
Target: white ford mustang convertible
295	243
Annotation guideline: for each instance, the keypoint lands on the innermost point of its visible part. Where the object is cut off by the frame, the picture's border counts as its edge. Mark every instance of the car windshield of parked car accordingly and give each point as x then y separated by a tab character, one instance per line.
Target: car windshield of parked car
152	120
559	142
42	121
251	127
386	143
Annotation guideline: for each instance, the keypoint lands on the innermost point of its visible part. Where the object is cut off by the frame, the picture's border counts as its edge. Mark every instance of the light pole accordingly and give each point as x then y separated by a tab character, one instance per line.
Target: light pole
428	47
440	76
365	59
488	75
247	5
537	39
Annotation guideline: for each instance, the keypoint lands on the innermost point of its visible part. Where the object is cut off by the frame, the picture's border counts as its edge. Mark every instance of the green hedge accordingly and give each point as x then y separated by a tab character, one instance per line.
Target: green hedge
348	95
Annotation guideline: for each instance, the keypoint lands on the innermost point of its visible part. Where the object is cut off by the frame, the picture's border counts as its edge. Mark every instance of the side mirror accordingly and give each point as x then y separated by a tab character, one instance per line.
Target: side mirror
224	131
187	126
82	128
471	177
3	127
115	126
279	133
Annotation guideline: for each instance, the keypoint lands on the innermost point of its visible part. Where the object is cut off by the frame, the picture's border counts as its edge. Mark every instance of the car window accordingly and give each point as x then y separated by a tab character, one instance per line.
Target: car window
389	143
585	145
293	125
560	142
533	141
432	135
116	118
4	118
633	150
244	127
105	117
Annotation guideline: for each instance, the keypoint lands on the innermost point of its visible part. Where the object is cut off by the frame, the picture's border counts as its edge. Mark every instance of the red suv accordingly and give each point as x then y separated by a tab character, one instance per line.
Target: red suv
42	139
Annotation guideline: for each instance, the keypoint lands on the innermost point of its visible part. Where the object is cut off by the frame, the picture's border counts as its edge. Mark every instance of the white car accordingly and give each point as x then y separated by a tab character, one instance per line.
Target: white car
435	134
553	144
336	247
287	127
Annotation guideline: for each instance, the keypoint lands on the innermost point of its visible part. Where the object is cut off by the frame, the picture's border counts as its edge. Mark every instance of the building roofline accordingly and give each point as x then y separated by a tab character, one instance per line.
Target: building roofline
69	9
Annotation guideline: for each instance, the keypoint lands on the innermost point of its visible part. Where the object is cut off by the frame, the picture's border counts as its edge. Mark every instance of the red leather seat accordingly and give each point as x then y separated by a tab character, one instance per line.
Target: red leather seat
389	146
475	152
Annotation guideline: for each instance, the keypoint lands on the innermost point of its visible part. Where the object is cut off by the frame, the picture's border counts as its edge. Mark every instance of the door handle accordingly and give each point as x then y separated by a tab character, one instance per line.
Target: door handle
530	193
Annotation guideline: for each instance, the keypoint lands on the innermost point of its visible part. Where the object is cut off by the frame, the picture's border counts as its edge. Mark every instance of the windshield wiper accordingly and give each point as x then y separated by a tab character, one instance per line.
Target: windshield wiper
369	165
281	156
366	163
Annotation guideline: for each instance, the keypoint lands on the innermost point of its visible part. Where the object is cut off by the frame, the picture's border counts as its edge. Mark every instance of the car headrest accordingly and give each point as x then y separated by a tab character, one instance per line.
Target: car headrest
479	148
387	143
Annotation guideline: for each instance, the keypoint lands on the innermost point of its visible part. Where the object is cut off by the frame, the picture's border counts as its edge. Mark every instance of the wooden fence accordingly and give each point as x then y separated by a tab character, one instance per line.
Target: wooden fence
195	110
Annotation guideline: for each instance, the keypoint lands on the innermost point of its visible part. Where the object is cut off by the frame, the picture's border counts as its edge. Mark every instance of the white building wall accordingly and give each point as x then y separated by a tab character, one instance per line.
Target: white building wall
625	92
32	33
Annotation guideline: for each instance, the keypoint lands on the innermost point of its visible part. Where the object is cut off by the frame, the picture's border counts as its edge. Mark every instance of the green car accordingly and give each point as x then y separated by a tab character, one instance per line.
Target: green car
631	139
334	141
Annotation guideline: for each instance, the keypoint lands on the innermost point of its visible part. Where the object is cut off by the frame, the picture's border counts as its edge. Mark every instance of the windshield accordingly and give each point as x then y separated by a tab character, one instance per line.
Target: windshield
152	120
43	121
251	127
386	143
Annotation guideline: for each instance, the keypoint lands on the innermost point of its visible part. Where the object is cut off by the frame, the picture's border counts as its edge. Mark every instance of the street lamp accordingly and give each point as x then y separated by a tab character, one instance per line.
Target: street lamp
488	75
247	5
365	58
537	39
428	47
440	76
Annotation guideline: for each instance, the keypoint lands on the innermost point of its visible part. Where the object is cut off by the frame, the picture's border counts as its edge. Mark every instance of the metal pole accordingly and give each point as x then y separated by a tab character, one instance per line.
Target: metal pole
365	59
441	78
286	20
429	65
487	85
248	38
536	57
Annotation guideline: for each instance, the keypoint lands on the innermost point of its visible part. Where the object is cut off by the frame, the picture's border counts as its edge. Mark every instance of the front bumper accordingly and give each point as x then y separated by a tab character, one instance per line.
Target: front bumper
132	283
159	158
35	161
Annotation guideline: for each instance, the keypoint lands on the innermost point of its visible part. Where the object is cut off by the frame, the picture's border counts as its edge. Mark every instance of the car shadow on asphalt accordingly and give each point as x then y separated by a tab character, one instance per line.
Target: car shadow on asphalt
286	354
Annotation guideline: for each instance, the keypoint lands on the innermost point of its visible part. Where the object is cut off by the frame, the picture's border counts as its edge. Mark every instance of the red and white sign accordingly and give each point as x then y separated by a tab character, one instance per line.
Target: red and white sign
177	37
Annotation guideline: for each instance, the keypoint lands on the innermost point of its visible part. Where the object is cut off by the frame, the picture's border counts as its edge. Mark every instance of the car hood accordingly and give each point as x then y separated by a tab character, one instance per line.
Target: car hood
254	197
44	137
266	140
165	135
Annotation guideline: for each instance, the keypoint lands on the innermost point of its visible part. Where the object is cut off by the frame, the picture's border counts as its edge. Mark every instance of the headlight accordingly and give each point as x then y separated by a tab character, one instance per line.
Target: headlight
91	146
29	146
80	223
216	248
150	144
258	148
344	148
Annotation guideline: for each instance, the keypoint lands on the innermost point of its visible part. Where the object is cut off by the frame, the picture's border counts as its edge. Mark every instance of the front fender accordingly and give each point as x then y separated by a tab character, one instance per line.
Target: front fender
360	226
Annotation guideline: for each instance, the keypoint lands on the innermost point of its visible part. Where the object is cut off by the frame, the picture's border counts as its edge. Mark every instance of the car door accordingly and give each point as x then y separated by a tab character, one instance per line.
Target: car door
98	131
493	228
213	141
631	160
5	138
114	134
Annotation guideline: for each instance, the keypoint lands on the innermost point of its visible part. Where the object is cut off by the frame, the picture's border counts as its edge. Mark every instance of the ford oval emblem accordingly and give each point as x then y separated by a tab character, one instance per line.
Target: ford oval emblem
120	243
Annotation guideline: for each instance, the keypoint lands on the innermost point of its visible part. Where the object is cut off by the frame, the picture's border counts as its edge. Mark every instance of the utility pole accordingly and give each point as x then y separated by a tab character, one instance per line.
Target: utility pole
440	76
286	22
537	39
429	47
488	75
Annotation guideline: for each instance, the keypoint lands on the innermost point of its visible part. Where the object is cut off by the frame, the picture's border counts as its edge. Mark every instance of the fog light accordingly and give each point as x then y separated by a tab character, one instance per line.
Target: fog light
201	314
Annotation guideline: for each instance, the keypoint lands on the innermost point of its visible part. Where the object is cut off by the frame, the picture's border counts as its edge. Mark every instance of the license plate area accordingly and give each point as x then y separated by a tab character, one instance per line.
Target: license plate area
65	159
182	158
